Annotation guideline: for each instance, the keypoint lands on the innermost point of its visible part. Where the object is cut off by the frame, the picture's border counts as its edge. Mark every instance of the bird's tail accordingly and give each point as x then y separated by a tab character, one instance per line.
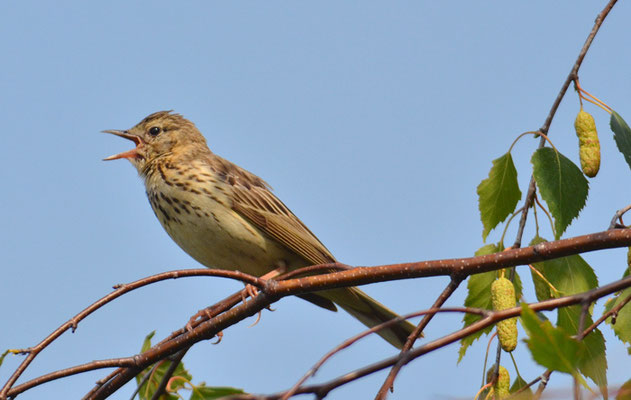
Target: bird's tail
370	313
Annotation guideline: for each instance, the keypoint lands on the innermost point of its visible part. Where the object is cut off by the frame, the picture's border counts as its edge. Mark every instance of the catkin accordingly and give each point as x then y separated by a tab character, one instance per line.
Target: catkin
503	297
588	144
501	387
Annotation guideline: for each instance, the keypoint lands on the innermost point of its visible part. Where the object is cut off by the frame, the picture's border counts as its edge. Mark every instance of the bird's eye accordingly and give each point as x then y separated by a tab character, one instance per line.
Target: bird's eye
154	130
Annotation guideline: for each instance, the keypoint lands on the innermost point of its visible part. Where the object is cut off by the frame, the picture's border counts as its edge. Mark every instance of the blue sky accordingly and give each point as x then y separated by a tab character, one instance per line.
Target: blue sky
374	123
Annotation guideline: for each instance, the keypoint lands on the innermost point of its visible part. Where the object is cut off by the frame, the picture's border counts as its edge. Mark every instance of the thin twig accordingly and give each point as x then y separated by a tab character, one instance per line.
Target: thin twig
177	357
614	310
347	343
491	318
388	384
573	75
542	385
617	216
145	379
120	290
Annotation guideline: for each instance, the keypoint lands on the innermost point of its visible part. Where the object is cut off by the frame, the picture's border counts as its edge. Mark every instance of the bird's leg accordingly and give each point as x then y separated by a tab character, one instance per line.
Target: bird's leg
281	268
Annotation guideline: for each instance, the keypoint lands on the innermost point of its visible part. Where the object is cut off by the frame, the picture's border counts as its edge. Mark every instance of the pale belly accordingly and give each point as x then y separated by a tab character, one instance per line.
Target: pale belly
216	236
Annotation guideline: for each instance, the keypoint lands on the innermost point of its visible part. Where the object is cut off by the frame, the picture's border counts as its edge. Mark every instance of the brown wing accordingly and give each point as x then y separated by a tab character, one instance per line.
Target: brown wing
254	200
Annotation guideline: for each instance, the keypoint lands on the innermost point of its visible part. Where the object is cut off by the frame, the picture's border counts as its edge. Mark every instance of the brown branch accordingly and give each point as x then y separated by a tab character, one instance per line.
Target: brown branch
388	384
273	290
119	290
364	275
544	382
448	267
347	343
203	331
613	311
572	76
145	378
177	357
618	215
524	388
493	317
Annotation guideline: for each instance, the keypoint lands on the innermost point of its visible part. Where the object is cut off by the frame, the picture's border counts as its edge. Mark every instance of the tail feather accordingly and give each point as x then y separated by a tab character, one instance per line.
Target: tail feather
370	313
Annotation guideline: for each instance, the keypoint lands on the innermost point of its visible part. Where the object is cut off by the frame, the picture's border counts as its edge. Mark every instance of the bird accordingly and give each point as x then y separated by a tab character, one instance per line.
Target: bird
226	217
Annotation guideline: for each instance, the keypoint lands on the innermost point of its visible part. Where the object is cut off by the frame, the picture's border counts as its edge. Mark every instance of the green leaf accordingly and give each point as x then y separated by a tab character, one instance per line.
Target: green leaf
622	327
543	291
571	275
149	387
561	184
3	355
622	135
568	275
479	296
518	384
624	393
211	393
146	344
498	194
594	362
551	347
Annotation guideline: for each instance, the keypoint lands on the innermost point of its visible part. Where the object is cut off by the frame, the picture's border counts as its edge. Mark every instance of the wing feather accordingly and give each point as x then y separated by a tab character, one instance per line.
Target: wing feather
270	215
253	199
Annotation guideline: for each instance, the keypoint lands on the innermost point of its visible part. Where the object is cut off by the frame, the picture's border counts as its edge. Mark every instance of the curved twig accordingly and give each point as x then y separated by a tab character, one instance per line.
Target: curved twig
119	290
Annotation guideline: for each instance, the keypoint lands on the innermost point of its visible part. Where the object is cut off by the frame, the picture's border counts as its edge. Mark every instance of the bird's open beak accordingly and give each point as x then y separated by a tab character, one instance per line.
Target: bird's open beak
133	153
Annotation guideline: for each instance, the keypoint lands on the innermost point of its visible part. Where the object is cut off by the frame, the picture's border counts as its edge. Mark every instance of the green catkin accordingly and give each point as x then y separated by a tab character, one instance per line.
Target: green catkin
588	144
501	388
503	297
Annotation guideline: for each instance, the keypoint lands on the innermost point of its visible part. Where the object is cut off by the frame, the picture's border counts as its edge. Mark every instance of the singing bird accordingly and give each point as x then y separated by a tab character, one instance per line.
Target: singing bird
226	217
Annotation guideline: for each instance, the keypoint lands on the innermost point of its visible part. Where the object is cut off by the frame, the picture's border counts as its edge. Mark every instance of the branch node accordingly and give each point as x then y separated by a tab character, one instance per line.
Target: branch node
74	324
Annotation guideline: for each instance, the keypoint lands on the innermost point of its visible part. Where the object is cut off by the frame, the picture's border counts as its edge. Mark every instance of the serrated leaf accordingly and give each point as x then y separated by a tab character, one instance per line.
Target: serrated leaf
562	185
594	362
551	347
479	296
571	275
518	384
211	393
622	135
498	194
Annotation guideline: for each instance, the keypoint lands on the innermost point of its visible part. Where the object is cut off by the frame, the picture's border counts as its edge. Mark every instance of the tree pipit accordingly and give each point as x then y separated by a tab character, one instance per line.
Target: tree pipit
226	217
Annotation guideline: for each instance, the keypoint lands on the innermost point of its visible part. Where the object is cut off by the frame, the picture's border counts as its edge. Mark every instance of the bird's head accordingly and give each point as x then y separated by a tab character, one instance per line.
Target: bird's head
160	134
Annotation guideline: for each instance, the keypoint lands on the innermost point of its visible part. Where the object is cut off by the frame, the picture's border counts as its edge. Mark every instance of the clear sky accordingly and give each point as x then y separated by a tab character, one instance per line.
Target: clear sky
373	121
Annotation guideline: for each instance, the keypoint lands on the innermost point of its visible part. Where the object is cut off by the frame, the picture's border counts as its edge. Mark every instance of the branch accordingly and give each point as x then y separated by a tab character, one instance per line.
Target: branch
618	215
388	384
273	290
119	290
492	317
572	76
364	275
347	343
169	372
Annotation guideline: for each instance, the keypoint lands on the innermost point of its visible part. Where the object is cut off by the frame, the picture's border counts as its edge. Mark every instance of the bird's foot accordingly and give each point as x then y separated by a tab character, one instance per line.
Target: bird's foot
219	337
202	315
252	291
